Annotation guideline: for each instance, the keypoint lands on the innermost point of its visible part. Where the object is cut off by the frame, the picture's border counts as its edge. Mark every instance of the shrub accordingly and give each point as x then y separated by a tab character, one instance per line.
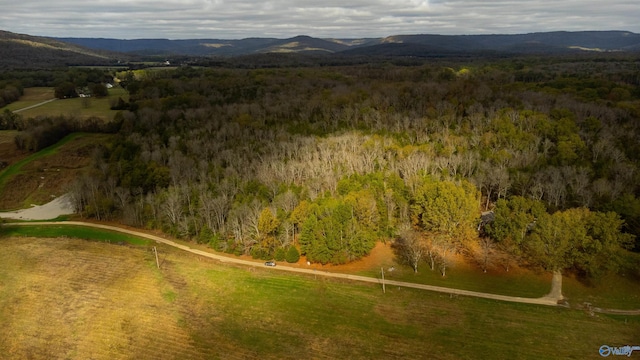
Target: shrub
237	251
279	254
230	246
260	253
216	242
292	255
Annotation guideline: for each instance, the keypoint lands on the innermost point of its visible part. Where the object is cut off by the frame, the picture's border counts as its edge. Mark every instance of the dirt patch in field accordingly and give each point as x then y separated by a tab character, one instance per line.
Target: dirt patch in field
47	178
9	154
381	256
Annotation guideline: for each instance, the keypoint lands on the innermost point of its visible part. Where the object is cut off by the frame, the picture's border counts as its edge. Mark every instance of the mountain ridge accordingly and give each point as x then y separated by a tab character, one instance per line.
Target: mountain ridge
20	50
556	41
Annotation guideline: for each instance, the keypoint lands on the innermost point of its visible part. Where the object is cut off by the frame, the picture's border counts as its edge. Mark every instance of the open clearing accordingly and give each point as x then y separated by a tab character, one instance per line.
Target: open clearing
58	207
32	96
74	299
9	154
78	107
50	175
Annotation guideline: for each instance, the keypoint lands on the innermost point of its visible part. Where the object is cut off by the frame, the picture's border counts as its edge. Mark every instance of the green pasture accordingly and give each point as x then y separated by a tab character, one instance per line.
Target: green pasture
102	67
72	231
239	312
614	291
79	107
521	283
32	96
284	316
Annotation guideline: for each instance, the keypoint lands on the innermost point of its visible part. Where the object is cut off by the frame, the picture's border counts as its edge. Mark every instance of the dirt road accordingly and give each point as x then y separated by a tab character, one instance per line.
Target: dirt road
34	106
546	300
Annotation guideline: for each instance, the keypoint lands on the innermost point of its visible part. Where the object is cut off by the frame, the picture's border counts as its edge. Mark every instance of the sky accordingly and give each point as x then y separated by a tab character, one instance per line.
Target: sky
225	19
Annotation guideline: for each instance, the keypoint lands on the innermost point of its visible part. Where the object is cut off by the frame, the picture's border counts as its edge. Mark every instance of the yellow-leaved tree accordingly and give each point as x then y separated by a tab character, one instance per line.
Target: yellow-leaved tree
448	212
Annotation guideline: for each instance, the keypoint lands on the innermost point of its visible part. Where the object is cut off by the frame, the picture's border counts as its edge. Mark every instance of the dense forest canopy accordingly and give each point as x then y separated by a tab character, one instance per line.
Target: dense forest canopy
331	159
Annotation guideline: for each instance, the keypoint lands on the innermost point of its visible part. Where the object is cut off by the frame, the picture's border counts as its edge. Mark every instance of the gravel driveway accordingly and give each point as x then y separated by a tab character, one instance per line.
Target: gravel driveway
59	206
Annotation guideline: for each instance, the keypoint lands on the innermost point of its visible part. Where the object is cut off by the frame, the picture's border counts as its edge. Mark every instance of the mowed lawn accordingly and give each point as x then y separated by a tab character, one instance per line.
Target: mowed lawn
78	107
74	299
31	96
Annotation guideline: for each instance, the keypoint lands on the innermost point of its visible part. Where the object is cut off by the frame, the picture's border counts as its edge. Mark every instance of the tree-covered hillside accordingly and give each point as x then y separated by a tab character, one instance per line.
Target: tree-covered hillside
331	159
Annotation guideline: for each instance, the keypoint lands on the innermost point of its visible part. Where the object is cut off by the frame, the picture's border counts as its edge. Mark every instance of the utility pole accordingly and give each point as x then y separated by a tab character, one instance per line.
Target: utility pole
384	291
156	252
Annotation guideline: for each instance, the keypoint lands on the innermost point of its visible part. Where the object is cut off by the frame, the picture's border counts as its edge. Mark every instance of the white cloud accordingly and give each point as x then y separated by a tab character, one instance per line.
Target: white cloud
181	19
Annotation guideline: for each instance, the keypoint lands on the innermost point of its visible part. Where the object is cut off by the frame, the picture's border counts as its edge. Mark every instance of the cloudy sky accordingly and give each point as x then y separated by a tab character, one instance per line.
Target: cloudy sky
226	19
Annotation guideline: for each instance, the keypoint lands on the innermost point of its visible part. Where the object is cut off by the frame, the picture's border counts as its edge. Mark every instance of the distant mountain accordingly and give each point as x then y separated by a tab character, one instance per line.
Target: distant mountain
402	49
401	45
203	47
535	42
21	51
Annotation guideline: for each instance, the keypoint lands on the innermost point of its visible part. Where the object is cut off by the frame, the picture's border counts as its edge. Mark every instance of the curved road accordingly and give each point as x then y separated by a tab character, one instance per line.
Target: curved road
546	300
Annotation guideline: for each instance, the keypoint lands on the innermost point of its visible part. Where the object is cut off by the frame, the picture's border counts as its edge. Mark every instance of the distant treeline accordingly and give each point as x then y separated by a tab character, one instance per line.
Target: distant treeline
38	133
10	91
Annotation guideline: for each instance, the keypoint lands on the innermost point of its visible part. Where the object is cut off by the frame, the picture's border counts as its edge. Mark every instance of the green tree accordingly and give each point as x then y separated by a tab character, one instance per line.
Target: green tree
9	120
267	222
590	243
98	90
512	218
449	213
267	227
65	90
447	208
333	234
309	244
292	255
553	238
299	215
280	254
602	249
365	209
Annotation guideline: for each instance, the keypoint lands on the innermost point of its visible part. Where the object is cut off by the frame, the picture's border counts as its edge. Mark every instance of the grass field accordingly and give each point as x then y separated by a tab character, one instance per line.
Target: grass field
79	107
78	232
9	154
31	97
613	291
462	275
72	299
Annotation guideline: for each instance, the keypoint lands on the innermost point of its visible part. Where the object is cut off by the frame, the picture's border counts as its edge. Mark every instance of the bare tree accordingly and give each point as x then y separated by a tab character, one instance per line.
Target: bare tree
122	195
444	248
555	187
410	245
214	211
172	207
485	252
286	201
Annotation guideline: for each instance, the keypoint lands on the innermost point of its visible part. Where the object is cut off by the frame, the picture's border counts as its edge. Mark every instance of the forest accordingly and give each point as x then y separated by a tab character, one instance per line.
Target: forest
531	160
